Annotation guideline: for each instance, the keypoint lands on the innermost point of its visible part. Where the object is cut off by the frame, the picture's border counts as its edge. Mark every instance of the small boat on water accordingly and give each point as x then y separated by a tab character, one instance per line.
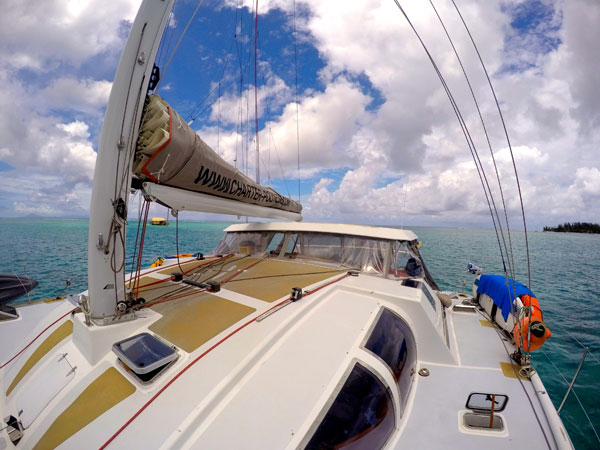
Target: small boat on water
289	335
160	221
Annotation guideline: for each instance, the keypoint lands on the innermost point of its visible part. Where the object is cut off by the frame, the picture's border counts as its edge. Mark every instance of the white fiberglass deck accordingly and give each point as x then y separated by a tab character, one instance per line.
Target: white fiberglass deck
271	380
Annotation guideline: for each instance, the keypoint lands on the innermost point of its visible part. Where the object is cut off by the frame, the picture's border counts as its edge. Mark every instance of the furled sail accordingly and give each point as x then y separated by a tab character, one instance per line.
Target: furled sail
170	153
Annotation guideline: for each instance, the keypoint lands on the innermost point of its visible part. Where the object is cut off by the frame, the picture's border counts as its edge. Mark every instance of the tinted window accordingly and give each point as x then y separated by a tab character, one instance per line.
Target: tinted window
361	416
429	297
274	246
393	341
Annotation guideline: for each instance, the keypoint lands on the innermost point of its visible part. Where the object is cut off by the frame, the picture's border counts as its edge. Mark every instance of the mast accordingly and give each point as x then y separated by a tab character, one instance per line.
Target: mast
116	148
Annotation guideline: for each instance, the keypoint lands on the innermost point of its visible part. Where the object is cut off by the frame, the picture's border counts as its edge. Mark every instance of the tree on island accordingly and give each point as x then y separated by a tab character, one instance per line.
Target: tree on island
576	227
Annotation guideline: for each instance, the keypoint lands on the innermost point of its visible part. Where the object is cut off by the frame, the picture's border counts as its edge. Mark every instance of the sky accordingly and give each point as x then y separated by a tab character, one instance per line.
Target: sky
377	138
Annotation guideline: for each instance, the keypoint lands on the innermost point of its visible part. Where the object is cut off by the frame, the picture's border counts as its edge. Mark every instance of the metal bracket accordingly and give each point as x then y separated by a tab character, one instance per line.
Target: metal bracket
100	243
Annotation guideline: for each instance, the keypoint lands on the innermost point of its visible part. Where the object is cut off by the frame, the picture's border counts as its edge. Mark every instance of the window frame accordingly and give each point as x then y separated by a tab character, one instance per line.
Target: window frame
318	420
363	346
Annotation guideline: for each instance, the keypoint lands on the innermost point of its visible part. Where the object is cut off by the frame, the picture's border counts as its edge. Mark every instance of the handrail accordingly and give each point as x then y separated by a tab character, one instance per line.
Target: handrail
573	381
574	393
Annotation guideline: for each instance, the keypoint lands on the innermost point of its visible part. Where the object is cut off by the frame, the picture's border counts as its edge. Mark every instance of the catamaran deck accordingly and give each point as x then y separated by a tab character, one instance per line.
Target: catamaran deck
241	383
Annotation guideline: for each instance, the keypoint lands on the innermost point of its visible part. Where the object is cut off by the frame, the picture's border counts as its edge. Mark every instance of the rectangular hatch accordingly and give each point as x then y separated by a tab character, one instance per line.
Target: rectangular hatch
145	355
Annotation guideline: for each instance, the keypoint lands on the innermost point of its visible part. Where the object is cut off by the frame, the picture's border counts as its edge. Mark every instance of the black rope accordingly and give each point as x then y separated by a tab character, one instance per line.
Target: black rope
463	126
507	140
296	99
177	239
509	248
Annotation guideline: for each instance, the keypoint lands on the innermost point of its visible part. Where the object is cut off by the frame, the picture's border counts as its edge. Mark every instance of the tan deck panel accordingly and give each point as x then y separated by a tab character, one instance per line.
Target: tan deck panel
279	278
169	289
187	266
486	323
512	371
101	395
190	322
220	272
49	343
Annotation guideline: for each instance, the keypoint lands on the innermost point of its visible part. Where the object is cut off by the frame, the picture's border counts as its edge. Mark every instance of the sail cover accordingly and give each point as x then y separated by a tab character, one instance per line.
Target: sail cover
170	153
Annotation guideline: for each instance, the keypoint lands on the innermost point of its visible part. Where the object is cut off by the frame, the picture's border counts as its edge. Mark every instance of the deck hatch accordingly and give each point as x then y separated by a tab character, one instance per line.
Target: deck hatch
145	355
483	402
482	422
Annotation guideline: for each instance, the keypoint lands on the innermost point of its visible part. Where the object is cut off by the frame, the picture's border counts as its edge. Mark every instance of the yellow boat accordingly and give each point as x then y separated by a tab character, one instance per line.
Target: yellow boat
160	221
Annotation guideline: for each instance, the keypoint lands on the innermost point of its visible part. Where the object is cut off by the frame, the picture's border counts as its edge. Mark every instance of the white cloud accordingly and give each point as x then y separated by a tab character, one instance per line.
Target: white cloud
49	104
82	95
39	34
379	122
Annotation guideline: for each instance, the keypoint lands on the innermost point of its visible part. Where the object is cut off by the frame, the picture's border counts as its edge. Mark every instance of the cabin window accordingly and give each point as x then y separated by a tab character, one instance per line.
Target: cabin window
429	297
419	285
393	342
404	262
244	243
274	247
361	416
292	244
365	254
327	247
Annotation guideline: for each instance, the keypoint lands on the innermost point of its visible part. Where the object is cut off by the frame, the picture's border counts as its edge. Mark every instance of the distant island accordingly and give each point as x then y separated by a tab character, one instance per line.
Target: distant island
576	227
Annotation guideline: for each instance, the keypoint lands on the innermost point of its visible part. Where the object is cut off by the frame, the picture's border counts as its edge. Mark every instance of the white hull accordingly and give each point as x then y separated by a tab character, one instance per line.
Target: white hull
266	384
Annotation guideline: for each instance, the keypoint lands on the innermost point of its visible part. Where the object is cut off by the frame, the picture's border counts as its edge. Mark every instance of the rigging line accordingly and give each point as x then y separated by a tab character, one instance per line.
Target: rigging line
125	112
464	128
247	124
166	38
256	92
510	254
576	340
296	99
247	92
185	291
219	122
285	275
141	251
177	239
195	360
37	337
179	42
280	166
137	234
193	115
267	114
507	140
574	393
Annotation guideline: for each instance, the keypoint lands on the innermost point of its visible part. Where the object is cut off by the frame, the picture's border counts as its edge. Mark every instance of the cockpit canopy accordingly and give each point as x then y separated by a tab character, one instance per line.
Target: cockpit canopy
390	258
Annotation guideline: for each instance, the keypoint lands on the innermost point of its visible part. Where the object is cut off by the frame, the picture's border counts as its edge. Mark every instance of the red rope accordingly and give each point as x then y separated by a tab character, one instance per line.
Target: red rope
35	338
203	290
184	272
194	361
139	264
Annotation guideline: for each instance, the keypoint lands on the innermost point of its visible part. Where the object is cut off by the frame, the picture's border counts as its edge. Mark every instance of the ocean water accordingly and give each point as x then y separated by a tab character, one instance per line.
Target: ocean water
565	276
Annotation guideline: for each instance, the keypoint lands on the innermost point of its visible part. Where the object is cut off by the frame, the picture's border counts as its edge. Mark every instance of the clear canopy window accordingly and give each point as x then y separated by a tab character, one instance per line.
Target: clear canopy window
361	253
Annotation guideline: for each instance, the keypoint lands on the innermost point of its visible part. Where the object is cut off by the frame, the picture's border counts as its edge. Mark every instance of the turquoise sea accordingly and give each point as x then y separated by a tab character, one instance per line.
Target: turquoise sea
565	276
